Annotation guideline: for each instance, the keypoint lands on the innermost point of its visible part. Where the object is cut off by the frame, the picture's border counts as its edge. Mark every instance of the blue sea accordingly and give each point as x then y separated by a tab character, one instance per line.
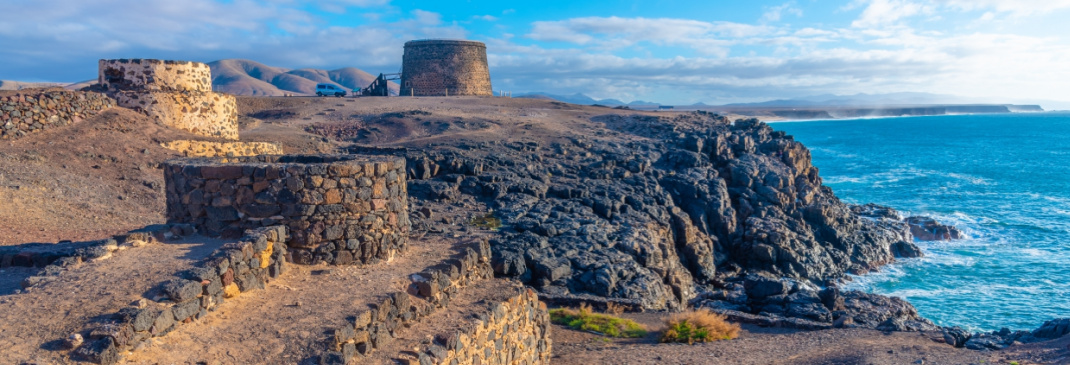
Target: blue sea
1003	179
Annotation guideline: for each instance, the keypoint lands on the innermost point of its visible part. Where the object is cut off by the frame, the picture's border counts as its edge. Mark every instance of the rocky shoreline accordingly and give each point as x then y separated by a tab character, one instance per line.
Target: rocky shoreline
665	213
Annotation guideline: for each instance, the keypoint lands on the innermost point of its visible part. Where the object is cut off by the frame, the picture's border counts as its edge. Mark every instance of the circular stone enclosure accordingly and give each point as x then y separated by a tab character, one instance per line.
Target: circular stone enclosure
341	209
154	75
445	67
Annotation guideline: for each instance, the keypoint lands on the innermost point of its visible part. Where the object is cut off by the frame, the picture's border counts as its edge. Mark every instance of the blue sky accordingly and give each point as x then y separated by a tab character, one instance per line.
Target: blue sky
674	52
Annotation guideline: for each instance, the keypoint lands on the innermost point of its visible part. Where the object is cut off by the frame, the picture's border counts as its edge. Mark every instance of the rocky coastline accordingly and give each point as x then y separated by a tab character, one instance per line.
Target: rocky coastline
694	210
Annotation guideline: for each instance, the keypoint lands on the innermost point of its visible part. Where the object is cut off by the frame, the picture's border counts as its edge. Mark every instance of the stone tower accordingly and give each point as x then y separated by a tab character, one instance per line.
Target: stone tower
445	67
175	93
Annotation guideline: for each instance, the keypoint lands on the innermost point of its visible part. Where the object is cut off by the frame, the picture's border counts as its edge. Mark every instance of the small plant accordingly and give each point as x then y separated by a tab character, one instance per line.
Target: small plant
615	309
488	221
585	319
698	326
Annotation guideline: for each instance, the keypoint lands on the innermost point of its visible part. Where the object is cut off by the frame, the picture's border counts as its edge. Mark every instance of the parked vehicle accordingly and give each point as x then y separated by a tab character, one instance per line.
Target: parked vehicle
329	89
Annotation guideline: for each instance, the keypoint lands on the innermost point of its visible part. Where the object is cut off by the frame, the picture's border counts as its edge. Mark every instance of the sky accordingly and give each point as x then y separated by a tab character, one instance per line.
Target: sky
666	51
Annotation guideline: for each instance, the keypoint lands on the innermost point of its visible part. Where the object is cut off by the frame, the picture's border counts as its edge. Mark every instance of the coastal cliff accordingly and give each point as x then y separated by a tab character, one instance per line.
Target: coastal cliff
687	210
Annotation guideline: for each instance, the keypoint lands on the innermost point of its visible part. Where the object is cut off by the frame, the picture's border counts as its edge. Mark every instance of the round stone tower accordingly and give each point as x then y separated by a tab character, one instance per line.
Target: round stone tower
445	67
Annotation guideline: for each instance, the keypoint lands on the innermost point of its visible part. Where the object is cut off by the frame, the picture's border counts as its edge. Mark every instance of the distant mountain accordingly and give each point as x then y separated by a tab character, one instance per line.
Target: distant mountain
245	77
903	98
581	99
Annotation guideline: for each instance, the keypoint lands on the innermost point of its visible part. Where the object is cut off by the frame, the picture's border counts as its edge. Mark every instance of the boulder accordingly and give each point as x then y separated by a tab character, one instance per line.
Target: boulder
928	229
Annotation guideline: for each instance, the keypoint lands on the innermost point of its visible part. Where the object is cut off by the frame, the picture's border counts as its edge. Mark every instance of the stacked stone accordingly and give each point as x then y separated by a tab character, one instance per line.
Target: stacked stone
175	93
442	282
341	209
428	292
516	331
235	268
54	259
222	149
445	67
31	111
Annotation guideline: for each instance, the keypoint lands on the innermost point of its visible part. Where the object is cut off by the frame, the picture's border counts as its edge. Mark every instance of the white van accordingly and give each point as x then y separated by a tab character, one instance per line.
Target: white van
329	89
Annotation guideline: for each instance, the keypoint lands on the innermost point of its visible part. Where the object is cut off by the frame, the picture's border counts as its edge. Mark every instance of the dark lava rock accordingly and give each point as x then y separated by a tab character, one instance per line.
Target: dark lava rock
906	250
660	209
1053	329
928	229
995	340
955	336
761	287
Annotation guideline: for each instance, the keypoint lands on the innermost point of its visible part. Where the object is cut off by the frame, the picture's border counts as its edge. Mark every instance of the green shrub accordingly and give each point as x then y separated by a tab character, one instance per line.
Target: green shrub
585	320
698	326
488	221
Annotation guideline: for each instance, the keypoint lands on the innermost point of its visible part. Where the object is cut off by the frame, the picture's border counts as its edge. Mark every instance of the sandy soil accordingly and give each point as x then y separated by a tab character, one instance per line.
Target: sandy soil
35	322
757	345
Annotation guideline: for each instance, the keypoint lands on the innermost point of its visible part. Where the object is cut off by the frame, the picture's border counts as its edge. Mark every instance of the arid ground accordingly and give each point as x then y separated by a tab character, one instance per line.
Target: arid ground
101	177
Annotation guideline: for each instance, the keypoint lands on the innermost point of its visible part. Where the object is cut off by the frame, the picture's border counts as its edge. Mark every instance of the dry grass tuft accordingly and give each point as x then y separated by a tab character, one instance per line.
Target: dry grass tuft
615	309
698	326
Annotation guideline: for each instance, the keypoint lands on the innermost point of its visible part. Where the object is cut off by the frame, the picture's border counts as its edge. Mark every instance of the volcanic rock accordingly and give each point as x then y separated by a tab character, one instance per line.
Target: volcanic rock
928	229
658	210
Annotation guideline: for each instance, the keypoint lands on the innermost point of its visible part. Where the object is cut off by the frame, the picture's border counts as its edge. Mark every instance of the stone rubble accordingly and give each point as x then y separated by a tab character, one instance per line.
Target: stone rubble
35	110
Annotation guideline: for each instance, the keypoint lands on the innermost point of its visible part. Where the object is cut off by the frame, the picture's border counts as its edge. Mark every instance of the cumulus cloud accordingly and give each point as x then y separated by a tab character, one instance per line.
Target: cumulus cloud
62	41
610	33
877	53
671	60
773	14
884	12
1017	7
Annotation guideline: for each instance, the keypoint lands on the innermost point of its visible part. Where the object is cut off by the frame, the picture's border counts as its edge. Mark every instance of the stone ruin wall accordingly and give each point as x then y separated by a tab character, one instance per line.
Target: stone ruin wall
175	93
511	328
441	67
204	114
155	75
35	110
233	269
339	209
514	332
222	149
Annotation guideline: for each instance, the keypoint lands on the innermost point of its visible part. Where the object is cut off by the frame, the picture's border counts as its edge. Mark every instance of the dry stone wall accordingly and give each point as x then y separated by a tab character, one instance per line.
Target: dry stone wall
224	149
30	111
428	292
514	332
205	114
233	269
55	258
341	209
155	75
445	67
175	93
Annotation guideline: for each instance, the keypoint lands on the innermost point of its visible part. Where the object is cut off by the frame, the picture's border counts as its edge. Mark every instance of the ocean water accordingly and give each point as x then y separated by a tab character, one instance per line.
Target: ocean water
1002	179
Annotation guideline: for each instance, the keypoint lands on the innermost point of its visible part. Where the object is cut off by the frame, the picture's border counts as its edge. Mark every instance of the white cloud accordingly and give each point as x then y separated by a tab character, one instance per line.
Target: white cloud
610	33
773	14
1017	7
885	12
62	41
879	53
659	59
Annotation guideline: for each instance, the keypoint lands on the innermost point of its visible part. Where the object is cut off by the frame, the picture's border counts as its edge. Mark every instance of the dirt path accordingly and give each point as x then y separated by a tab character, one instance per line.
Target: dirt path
268	327
757	345
35	322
